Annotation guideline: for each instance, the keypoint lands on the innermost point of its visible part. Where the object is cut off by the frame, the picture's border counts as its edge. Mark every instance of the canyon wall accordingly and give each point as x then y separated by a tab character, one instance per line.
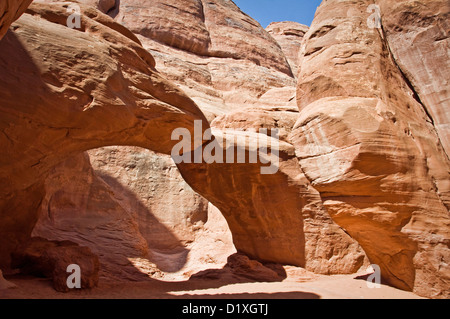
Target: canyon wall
362	166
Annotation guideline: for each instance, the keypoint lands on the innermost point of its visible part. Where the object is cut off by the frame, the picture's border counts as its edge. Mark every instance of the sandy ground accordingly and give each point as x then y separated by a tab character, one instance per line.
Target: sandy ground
299	284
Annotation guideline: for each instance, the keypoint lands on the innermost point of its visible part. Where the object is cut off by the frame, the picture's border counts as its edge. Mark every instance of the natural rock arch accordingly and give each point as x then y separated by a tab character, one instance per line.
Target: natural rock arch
82	89
78	90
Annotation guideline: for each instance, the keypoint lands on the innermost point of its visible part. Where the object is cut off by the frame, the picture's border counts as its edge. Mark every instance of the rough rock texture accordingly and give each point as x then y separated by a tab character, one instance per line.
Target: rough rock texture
289	36
258	207
367	149
79	206
51	259
11	10
368	146
219	56
418	36
65	91
5	284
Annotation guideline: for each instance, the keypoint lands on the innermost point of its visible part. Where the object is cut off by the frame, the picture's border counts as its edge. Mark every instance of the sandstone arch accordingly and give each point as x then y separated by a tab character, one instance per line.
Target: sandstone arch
66	91
76	90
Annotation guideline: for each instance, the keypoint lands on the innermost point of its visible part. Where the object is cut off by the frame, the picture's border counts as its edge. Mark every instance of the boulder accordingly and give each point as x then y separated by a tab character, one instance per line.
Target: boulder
417	33
289	36
53	259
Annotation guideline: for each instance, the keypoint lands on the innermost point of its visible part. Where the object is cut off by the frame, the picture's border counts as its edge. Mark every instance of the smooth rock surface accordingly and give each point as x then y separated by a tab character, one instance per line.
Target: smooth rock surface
368	146
5	284
11	10
259	206
222	58
289	36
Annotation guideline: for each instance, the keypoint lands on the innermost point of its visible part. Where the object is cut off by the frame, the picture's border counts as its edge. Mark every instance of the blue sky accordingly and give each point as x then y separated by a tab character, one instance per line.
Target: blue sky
267	11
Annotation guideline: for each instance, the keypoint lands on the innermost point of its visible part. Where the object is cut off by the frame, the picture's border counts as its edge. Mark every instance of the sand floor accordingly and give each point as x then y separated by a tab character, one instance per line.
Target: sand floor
297	285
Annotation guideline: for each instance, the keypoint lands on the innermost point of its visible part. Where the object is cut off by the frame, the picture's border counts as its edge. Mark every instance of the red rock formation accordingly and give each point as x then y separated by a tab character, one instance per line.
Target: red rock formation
5	284
11	10
222	58
258	207
417	33
367	149
80	207
368	146
289	36
227	63
77	90
328	249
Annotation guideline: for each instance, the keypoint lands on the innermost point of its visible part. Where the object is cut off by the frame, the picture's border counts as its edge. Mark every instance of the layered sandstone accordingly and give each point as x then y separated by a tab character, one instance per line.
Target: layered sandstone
289	36
76	90
369	147
364	155
258	205
318	244
223	59
241	79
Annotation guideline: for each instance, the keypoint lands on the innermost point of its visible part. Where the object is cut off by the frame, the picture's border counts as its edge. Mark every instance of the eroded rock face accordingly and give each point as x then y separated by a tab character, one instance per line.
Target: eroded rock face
80	207
364	149
368	146
317	244
76	90
205	48
139	217
418	36
327	249
289	36
259	206
159	191
223	59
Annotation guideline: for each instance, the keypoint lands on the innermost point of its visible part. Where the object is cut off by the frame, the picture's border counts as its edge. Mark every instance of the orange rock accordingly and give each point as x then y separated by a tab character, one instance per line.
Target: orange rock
418	39
368	146
258	207
289	36
222	58
11	10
